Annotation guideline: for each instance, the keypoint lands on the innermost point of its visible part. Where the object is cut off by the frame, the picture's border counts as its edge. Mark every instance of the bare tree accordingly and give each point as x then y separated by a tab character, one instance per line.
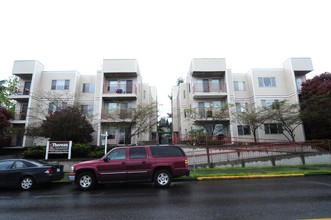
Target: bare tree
288	115
252	116
135	121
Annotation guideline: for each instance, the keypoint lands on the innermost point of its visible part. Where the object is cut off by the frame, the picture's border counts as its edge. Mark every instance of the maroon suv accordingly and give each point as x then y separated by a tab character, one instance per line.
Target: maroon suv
133	163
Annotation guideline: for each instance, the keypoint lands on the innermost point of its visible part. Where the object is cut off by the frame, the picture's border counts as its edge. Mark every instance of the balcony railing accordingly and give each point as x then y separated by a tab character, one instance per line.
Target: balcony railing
208	114
116	115
118	90
21	90
209	87
20	115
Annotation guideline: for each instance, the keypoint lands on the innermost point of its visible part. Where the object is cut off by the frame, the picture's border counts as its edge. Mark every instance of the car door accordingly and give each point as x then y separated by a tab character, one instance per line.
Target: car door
5	167
15	172
113	168
137	164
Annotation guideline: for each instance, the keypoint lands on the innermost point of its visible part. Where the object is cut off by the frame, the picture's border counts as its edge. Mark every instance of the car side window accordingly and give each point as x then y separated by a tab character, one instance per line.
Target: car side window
137	153
18	165
117	154
5	165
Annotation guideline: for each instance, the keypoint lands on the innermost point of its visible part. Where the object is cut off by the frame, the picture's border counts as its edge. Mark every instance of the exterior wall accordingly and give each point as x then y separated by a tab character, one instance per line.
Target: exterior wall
40	94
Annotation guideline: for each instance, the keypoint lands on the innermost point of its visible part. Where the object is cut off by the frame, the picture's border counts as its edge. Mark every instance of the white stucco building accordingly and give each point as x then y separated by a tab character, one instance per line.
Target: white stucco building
113	90
210	85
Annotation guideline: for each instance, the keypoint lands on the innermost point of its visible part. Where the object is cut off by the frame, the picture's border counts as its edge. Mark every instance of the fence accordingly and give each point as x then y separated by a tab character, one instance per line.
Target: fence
241	153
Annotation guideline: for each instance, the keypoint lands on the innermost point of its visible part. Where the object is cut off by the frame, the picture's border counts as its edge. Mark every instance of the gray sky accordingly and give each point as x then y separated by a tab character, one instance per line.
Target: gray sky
164	35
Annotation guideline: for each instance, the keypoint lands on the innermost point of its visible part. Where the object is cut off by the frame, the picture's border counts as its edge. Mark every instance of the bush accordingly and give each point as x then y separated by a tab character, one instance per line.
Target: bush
37	152
80	150
99	152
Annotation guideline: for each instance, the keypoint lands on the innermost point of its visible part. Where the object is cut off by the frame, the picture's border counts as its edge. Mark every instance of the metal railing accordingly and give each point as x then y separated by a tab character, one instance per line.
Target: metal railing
240	152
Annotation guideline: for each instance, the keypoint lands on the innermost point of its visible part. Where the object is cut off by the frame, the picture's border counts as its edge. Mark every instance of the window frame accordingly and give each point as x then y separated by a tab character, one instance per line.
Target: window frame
55	84
263	83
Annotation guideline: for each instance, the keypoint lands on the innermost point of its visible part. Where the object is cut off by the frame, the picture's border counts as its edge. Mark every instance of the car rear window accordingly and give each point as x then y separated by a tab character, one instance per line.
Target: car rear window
167	151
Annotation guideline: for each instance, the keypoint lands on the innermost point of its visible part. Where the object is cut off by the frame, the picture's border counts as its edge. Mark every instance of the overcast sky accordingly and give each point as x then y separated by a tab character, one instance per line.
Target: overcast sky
164	35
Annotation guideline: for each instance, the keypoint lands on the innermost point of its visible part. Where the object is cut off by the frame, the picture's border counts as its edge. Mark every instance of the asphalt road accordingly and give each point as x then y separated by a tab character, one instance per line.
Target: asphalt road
274	198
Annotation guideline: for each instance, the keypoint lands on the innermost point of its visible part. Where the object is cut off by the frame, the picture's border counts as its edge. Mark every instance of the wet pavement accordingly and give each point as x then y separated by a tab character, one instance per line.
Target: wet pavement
277	198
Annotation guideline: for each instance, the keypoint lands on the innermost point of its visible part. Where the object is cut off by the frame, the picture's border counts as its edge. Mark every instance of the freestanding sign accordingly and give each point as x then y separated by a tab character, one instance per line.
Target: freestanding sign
58	147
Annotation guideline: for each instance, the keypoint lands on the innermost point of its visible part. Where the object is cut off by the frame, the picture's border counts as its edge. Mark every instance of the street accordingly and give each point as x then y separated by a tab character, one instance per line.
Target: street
274	198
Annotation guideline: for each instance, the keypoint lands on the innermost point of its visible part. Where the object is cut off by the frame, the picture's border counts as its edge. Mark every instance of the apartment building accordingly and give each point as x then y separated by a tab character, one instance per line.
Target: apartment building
200	103
105	98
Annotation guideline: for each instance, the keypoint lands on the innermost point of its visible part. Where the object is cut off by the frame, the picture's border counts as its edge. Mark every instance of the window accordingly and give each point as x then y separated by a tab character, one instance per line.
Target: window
118	154
239	85
273	128
167	151
241	107
120	86
270	103
267	81
88	87
60	84
244	130
56	106
87	110
137	152
5	165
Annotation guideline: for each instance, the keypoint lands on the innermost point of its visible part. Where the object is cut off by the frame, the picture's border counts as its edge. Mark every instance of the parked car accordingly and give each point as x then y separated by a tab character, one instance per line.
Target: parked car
159	164
27	173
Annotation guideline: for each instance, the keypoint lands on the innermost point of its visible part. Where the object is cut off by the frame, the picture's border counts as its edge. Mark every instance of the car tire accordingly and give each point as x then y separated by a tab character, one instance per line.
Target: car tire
162	179
26	183
86	181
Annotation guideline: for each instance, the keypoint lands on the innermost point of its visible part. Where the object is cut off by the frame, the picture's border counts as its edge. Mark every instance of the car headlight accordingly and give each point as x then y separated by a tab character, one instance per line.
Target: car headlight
72	168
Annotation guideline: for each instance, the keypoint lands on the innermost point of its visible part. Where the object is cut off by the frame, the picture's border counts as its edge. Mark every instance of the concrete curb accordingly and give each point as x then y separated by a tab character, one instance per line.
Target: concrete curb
250	176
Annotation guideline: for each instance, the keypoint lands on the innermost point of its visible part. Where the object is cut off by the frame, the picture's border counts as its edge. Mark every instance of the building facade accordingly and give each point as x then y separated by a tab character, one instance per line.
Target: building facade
212	92
106	98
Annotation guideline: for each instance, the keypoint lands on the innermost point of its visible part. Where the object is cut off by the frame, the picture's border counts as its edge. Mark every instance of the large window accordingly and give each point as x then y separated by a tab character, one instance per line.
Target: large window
88	87
241	107
243	130
56	106
87	110
239	85
120	86
270	103
267	82
273	128
60	84
122	109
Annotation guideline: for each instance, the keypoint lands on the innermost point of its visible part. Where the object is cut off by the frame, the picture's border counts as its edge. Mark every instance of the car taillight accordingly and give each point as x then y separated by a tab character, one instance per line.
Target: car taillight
49	170
186	163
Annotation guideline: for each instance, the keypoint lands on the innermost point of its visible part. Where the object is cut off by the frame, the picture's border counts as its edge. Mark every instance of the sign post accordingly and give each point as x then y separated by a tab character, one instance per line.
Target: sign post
105	135
58	147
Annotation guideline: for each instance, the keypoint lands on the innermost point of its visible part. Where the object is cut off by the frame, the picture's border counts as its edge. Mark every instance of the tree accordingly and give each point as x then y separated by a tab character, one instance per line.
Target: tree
66	124
316	106
5	116
288	115
8	87
134	121
252	116
210	118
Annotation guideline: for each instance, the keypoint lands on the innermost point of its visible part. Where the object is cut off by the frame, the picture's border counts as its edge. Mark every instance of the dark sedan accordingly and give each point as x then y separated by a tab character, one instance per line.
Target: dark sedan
27	173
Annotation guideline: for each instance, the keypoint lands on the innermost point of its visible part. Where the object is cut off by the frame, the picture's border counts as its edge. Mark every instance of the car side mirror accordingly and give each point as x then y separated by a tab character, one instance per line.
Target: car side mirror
105	159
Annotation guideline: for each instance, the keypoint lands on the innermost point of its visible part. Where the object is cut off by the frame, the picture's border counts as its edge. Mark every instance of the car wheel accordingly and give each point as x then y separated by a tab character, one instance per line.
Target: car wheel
26	183
86	180
162	179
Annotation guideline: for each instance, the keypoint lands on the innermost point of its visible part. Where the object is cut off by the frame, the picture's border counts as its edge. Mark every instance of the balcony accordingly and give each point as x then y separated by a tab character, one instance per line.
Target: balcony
208	114
19	117
20	93
117	115
209	90
119	92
